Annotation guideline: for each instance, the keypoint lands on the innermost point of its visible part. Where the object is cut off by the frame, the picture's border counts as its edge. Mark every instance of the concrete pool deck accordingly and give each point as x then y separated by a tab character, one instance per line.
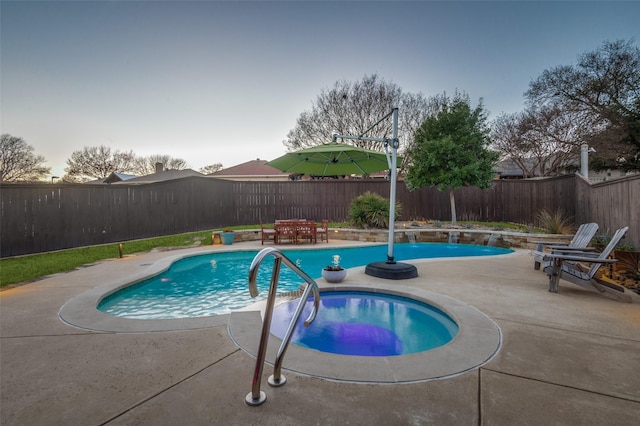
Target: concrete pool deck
566	358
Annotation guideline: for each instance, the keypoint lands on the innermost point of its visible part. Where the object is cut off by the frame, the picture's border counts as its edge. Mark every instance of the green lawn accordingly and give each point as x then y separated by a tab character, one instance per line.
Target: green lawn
25	268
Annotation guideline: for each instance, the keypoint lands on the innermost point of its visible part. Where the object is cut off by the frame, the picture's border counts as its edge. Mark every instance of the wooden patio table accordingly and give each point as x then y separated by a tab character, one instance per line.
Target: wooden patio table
295	230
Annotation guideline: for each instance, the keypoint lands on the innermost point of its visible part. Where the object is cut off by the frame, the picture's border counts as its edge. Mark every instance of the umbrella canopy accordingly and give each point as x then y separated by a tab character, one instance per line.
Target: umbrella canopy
332	159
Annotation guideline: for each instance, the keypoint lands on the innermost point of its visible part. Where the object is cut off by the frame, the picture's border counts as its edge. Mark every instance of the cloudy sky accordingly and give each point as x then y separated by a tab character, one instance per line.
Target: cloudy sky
224	82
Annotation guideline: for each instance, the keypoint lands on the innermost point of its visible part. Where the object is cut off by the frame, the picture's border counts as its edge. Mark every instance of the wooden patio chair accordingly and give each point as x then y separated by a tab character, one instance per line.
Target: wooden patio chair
580	241
286	230
322	231
307	231
570	267
268	234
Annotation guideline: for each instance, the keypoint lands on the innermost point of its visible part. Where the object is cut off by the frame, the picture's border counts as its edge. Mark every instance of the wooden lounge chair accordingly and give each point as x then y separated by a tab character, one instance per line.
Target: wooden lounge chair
570	267
580	241
268	234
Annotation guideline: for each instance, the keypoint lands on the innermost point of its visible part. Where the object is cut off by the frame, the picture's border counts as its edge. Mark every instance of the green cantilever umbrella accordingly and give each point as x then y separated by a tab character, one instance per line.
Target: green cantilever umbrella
333	159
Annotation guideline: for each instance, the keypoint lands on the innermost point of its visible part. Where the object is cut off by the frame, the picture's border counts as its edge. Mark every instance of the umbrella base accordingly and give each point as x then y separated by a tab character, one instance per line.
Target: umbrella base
391	271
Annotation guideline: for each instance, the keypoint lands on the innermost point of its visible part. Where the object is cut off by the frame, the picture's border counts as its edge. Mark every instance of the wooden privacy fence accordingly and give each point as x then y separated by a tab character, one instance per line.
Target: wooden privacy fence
612	205
43	217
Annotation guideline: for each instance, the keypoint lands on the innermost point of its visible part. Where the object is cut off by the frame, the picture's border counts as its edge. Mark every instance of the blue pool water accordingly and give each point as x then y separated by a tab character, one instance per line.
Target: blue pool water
367	324
216	283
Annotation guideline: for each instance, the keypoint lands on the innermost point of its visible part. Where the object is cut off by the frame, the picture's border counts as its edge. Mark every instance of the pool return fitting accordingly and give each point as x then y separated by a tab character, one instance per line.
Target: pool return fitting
256	396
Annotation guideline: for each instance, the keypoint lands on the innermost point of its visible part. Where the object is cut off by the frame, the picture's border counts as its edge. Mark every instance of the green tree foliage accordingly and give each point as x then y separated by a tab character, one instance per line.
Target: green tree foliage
451	150
18	163
603	88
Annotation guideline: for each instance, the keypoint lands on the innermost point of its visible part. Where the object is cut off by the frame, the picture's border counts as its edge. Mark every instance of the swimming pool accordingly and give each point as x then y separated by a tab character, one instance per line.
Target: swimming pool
367	324
214	284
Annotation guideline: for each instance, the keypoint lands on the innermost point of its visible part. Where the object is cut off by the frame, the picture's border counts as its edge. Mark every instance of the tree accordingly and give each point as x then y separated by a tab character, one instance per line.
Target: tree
98	162
147	165
604	89
451	150
352	108
541	142
18	163
211	168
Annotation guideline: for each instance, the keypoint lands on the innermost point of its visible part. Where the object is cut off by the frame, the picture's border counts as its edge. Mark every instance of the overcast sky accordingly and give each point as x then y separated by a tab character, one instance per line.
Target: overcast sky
224	82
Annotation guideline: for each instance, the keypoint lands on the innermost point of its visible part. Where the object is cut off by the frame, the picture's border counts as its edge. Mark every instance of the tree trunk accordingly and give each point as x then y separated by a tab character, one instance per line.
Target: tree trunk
453	208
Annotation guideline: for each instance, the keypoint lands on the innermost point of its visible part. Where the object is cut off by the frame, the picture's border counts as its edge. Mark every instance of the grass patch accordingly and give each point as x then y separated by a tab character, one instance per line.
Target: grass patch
27	268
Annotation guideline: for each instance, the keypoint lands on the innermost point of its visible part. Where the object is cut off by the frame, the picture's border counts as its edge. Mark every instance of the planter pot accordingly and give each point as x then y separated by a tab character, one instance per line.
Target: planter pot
334	276
227	237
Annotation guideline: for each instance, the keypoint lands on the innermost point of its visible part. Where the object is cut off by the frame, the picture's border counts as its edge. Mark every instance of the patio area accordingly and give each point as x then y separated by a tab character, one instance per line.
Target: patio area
566	358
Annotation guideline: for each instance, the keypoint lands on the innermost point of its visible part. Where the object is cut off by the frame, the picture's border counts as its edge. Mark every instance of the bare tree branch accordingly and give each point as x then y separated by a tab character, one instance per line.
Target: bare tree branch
147	165
603	89
353	107
211	168
18	163
98	162
542	142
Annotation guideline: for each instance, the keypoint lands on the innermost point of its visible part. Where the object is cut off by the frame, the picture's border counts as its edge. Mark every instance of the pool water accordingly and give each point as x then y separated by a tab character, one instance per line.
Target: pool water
367	324
217	283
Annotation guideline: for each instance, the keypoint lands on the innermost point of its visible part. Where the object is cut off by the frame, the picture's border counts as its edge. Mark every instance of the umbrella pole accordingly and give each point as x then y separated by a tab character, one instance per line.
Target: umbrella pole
392	192
391	269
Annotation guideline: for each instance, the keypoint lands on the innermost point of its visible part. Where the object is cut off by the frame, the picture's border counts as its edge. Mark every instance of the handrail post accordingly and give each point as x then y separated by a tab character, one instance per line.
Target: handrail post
276	379
256	396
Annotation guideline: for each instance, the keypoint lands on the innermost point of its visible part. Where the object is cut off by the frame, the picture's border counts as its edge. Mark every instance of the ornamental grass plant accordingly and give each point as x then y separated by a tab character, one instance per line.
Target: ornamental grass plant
371	210
554	222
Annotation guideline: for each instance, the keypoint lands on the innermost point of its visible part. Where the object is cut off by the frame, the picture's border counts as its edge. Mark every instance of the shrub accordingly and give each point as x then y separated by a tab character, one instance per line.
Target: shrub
554	222
370	210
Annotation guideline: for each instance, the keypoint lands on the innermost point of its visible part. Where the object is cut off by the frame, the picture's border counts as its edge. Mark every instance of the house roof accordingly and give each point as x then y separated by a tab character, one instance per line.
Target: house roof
112	178
508	167
256	167
162	176
118	177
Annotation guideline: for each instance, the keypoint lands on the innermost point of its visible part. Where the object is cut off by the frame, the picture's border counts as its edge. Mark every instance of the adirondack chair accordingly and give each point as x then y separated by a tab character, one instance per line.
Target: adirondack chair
580	241
569	267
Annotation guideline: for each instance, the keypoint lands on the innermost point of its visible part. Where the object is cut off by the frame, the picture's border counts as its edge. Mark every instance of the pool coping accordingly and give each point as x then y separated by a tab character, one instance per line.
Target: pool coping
478	340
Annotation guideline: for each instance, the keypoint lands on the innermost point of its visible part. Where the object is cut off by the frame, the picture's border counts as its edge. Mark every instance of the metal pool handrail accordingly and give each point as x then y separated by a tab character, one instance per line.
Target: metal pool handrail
256	396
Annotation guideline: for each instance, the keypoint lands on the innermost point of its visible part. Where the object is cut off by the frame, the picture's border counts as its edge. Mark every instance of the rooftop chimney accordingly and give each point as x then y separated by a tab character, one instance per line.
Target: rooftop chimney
159	167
